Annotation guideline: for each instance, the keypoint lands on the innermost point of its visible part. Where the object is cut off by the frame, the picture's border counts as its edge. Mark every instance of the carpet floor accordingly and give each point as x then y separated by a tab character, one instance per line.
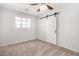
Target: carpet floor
35	48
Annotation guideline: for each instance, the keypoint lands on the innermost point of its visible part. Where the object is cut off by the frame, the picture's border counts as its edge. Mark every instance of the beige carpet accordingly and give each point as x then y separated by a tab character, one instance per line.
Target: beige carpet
35	48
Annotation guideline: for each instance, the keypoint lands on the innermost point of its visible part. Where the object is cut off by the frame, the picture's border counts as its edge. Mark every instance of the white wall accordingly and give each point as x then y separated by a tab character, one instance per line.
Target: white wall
42	29
0	26
9	34
68	30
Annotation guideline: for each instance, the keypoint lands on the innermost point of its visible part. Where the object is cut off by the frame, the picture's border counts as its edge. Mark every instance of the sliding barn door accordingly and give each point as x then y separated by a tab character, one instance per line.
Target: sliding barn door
51	29
46	29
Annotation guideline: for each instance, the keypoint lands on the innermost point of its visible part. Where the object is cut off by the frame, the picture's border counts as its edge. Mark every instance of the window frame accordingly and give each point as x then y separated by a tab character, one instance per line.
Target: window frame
21	22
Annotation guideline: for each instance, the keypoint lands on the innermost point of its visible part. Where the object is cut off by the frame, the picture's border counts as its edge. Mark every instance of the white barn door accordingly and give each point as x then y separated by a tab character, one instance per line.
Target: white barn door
46	29
51	29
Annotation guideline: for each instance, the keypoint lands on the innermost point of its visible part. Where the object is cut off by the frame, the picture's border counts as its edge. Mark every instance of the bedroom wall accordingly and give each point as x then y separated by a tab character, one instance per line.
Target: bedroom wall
9	34
68	27
0	26
42	29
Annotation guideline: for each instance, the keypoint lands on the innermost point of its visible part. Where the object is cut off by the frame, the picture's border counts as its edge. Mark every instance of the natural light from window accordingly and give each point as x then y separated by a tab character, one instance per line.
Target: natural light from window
28	23
18	22
22	22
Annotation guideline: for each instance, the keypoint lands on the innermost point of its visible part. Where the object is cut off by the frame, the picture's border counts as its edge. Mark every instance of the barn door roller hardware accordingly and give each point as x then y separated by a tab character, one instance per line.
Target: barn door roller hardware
50	15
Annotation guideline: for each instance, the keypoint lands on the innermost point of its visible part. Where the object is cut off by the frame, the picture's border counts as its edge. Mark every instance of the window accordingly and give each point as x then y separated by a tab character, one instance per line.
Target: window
28	23
22	22
18	22
24	25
